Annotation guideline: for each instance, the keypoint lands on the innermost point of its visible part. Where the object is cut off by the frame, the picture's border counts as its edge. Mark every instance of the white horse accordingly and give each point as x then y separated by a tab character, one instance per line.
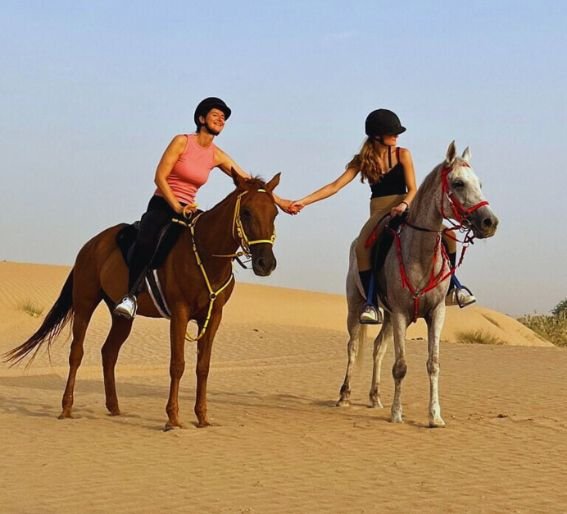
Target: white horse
414	279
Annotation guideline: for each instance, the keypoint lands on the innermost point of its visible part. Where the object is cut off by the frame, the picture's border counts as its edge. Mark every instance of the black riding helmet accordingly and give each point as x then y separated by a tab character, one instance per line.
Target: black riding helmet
210	103
383	122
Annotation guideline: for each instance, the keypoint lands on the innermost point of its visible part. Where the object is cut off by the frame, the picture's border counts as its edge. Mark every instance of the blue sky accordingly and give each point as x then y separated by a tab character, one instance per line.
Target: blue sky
92	92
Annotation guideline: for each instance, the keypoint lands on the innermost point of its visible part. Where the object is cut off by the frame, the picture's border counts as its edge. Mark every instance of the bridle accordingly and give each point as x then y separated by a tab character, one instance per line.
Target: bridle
239	234
462	216
459	211
238	231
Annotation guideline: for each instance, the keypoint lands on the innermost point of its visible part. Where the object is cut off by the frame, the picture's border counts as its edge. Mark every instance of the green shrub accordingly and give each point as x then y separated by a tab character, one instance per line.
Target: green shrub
478	337
32	309
560	309
553	328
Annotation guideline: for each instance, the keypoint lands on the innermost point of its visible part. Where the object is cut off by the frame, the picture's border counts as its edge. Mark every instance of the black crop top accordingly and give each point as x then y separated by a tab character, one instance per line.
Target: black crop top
391	183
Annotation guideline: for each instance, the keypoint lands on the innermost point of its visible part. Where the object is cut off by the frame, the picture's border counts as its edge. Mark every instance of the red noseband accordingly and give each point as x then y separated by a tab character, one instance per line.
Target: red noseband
460	212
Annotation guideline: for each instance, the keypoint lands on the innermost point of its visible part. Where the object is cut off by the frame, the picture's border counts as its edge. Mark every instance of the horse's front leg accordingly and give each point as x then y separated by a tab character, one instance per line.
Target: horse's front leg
434	325
400	324
178	329
356	333
380	347
204	348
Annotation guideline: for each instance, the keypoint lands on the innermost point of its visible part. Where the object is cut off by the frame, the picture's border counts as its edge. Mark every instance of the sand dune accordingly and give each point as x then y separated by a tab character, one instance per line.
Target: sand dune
278	443
327	311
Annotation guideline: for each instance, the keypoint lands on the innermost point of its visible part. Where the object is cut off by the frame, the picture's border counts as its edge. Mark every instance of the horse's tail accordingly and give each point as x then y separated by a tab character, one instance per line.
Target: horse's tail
59	315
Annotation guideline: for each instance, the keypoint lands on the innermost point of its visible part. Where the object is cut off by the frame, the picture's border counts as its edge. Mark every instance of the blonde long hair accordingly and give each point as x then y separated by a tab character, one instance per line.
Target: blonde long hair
369	162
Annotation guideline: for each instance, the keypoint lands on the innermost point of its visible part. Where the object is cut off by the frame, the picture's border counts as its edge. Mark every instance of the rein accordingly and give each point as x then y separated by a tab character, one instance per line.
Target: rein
434	279
461	214
212	293
244	242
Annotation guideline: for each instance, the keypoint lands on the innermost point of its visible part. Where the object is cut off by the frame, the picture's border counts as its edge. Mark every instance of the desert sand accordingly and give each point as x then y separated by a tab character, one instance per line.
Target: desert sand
278	443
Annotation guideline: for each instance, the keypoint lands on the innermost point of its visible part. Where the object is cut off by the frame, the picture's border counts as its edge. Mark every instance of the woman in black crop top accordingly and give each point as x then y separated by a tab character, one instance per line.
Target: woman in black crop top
389	171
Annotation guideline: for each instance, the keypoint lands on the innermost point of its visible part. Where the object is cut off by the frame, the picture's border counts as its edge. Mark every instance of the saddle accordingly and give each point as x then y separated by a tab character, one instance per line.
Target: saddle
380	242
381	239
126	238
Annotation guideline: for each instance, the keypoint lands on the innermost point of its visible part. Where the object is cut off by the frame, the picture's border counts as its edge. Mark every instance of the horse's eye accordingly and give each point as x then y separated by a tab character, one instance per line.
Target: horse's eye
245	214
458	184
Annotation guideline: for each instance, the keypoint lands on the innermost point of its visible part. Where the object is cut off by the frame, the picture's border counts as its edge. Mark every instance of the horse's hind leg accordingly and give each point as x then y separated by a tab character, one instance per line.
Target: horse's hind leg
81	320
356	332
399	369
434	326
380	347
119	332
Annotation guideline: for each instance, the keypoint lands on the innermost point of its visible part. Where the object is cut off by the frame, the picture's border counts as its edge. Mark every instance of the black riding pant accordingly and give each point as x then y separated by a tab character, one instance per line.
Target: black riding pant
157	216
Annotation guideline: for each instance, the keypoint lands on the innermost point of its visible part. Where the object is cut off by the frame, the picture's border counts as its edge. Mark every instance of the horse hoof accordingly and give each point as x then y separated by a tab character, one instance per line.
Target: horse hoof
203	424
376	404
114	412
397	418
436	423
65	415
343	403
172	426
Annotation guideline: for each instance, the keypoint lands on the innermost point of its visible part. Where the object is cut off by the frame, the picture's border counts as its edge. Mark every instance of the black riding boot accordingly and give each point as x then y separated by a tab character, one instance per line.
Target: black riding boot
158	215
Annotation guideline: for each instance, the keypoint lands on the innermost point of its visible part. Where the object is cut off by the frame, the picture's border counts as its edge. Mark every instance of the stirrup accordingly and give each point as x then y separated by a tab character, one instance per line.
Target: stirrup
461	296
371	315
127	307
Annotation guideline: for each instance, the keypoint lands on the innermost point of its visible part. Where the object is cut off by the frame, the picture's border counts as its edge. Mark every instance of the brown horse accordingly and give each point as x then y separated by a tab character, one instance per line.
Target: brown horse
196	279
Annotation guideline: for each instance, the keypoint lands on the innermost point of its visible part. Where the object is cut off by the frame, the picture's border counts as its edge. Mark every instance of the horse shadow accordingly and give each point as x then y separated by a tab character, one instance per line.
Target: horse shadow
284	402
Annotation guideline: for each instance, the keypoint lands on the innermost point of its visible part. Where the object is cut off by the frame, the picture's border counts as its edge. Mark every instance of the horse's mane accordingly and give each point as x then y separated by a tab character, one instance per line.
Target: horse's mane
434	175
253	183
428	182
256	182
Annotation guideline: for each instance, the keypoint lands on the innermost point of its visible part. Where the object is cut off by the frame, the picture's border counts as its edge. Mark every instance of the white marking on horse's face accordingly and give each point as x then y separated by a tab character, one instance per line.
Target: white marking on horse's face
465	185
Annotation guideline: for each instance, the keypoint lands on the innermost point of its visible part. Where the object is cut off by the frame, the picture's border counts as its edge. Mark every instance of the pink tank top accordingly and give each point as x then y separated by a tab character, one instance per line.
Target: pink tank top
191	170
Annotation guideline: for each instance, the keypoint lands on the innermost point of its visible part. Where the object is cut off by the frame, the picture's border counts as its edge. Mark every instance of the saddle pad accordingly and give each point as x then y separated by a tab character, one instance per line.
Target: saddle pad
153	286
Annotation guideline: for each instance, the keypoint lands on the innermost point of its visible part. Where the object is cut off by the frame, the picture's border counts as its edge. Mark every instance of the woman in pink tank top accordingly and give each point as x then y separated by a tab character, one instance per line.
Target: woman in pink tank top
184	167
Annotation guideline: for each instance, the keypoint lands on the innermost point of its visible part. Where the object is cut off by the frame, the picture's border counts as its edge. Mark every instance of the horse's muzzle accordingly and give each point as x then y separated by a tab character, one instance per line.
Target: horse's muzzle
263	260
484	222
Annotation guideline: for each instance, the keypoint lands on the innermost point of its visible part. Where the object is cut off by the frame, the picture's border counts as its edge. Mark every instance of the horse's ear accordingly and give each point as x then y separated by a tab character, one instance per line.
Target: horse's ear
451	153
271	185
237	179
467	155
